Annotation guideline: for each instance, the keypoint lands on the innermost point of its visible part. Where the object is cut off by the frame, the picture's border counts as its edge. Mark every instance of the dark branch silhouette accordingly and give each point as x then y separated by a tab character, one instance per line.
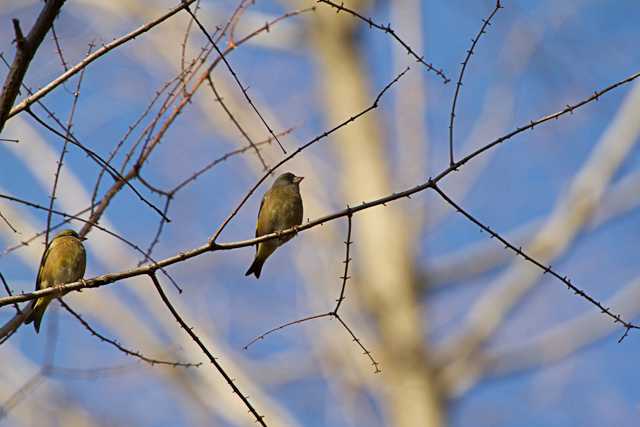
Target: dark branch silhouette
485	23
26	48
333	313
189	330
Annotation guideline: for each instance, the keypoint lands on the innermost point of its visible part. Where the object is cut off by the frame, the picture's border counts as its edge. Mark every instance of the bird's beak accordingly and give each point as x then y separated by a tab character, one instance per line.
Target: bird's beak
298	179
82	238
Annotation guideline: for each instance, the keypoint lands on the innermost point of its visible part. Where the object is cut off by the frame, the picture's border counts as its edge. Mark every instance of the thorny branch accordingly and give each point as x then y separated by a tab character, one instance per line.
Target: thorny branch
63	152
235	76
235	122
485	23
23	105
387	29
212	246
189	330
99	160
170	194
333	313
120	347
617	318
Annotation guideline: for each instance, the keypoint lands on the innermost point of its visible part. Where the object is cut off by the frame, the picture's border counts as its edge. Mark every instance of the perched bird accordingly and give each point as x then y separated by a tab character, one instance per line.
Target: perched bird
281	208
63	262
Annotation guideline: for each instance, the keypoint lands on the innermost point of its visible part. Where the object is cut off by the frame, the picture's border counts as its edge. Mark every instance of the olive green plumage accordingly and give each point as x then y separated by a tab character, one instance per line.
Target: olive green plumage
281	208
64	261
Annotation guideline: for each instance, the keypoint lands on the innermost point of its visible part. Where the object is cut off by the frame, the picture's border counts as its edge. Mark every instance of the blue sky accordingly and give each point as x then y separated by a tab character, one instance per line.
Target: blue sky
536	58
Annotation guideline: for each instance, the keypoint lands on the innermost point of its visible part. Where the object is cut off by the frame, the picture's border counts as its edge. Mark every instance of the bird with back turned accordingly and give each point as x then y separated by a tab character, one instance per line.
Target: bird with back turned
64	261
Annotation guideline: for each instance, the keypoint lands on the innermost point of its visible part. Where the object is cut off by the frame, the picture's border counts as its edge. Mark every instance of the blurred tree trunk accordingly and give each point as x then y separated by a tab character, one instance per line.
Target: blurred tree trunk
384	240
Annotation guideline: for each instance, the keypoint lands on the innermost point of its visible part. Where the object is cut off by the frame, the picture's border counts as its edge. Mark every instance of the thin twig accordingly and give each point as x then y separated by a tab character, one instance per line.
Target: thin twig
485	23
8	289
347	259
74	104
26	242
23	105
387	29
233	153
334	313
185	39
6	221
235	76
617	318
284	326
351	119
119	346
233	22
93	224
569	109
212	246
236	123
189	330
156	238
99	160
126	135
56	41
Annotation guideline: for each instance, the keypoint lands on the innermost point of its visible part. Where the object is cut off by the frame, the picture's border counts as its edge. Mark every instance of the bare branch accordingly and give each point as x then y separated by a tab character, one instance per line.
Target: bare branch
189	330
387	29
334	313
617	318
63	152
235	76
8	289
119	346
26	49
236	123
6	221
302	148
485	23
121	180
212	246
23	105
569	109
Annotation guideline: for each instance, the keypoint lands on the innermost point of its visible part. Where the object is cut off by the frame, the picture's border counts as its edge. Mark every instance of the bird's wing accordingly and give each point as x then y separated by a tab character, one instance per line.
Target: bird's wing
45	255
259	228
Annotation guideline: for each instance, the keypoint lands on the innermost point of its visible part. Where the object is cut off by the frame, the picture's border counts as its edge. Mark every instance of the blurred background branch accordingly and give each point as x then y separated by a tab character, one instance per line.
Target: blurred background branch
462	328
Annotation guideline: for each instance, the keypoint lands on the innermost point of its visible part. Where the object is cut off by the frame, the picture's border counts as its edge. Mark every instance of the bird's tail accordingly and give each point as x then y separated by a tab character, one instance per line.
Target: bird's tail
256	267
37	313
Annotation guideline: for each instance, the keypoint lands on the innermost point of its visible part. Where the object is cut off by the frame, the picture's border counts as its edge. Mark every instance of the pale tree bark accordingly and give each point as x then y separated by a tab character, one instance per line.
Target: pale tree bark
384	243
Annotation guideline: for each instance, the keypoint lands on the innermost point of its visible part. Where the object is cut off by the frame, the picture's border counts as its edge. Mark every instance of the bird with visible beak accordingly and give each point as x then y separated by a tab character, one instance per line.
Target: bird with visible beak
281	208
